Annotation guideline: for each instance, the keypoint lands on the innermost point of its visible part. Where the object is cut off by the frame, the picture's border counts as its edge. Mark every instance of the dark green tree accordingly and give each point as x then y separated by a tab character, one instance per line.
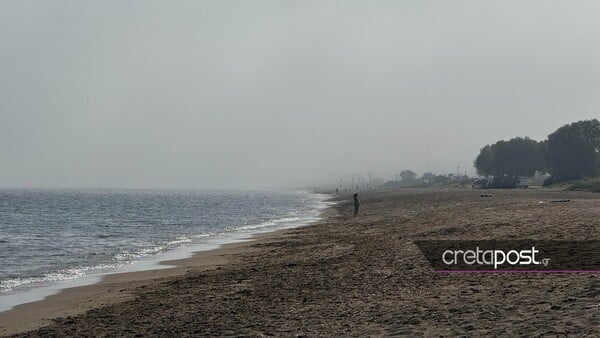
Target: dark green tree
574	151
408	175
507	160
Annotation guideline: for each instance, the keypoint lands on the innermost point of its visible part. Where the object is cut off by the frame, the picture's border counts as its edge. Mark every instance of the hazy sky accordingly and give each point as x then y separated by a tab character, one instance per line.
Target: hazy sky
252	94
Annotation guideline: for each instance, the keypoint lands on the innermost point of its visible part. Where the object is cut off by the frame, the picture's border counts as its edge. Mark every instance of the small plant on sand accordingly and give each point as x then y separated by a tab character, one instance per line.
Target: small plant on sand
586	184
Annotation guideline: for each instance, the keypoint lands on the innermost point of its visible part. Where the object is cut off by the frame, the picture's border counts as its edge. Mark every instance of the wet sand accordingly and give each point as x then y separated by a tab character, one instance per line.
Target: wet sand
354	276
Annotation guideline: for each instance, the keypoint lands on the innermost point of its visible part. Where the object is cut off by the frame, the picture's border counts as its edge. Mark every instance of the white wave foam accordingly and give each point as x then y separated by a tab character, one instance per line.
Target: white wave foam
268	223
62	275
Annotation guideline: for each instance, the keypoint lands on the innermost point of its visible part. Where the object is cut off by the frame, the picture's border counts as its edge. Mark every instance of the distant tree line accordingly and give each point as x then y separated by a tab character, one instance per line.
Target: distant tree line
408	178
571	152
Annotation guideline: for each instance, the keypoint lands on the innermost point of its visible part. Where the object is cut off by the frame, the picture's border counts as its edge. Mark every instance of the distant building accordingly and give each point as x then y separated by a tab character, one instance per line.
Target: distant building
537	180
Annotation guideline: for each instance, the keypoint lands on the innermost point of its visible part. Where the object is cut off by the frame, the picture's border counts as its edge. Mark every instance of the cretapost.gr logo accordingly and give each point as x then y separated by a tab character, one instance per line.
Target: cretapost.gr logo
493	258
511	256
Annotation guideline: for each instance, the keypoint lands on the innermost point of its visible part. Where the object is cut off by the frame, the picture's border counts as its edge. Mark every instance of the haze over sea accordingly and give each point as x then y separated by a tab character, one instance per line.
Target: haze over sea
47	236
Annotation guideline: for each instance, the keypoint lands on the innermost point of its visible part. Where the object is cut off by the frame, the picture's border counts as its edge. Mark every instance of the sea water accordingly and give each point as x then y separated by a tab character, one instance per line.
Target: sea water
48	237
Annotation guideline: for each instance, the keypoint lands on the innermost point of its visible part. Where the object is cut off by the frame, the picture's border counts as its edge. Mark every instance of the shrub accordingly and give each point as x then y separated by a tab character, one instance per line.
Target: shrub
586	184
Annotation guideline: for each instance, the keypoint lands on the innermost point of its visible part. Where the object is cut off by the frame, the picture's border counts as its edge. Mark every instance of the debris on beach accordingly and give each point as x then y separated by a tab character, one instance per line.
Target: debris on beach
560	201
485	195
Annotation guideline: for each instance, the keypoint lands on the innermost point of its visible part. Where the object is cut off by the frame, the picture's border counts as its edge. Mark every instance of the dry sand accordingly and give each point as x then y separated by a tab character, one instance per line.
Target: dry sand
351	276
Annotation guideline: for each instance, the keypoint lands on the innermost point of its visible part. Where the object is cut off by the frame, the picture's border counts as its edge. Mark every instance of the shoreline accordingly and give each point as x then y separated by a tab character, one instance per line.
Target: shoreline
364	275
30	286
116	287
112	288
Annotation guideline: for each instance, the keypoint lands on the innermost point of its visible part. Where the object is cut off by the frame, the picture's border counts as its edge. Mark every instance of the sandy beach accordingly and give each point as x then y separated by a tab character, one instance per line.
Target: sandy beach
349	276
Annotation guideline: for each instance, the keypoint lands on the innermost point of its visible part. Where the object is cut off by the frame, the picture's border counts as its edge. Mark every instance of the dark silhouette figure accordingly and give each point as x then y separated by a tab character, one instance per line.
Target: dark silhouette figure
356	204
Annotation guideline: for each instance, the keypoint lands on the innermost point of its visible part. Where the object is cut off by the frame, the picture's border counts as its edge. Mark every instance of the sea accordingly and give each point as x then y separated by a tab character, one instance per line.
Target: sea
54	239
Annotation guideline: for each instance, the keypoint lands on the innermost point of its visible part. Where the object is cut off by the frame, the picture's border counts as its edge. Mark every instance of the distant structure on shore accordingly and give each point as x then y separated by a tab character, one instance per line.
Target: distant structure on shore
408	178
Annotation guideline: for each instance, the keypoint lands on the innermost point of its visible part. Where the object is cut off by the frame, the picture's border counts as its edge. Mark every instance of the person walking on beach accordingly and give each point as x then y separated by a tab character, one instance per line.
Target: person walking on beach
356	204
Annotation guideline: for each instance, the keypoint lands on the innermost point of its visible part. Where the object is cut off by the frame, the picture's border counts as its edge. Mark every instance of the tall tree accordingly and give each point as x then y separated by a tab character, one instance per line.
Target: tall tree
574	150
510	159
408	175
